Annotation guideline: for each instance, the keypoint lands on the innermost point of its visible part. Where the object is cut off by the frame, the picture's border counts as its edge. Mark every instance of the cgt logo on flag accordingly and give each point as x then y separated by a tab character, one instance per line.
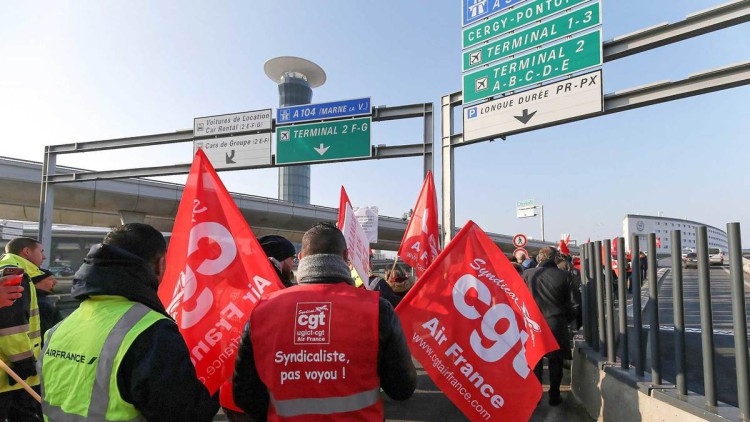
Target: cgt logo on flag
474	326
312	323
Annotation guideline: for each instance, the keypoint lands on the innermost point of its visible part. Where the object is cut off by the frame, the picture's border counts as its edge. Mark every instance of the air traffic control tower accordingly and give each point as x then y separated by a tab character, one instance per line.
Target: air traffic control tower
296	78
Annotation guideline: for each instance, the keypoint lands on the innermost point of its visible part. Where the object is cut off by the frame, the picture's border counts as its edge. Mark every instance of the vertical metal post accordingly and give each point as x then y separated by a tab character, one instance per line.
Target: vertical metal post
635	285
599	297
653	297
739	316
622	264
447	156
428	139
584	292
610	306
679	315
541	207
592	297
47	204
707	326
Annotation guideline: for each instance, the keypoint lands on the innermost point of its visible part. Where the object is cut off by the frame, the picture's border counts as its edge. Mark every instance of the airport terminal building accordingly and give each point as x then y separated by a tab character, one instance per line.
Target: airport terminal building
642	225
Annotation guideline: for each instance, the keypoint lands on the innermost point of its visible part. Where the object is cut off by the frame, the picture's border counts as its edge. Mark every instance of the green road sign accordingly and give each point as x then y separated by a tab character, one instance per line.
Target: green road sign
324	141
554	29
552	62
514	18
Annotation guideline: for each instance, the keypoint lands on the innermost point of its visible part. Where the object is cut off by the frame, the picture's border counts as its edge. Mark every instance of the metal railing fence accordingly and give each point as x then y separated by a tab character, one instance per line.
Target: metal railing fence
601	307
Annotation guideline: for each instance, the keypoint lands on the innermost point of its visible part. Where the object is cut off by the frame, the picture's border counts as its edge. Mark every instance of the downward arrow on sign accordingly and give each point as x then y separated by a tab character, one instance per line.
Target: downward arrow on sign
230	158
525	117
321	149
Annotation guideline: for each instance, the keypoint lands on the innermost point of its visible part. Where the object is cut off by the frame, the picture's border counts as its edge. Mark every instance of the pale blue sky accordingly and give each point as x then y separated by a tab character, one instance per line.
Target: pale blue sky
89	70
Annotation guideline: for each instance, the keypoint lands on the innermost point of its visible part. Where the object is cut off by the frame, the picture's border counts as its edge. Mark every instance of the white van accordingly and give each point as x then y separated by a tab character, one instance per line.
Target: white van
715	256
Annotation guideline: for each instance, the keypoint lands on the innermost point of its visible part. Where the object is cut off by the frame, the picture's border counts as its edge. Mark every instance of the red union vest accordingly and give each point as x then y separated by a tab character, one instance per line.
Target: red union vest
316	349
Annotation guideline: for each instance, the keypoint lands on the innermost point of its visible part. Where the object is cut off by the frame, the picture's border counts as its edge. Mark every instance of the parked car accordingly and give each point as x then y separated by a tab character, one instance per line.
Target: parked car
690	260
715	256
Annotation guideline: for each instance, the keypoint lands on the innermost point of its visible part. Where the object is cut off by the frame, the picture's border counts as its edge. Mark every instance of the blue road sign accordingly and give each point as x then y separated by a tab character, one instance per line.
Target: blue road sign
304	113
473	10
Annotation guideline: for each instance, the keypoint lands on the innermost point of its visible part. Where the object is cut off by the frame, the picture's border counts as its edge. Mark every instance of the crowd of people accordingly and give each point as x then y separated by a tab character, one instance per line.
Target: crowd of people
120	356
555	283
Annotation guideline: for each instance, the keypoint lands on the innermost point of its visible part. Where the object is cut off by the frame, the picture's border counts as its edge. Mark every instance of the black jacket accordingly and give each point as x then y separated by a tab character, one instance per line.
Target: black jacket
156	374
386	292
398	377
49	314
556	296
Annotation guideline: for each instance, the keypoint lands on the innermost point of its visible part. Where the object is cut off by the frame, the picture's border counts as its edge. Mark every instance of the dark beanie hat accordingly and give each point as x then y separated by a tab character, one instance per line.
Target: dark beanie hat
42	276
277	247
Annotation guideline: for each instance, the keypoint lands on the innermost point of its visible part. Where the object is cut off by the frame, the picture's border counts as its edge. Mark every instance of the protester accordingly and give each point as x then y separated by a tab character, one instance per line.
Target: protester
49	314
122	326
327	328
281	253
559	301
381	285
575	274
9	294
400	282
643	263
20	336
529	263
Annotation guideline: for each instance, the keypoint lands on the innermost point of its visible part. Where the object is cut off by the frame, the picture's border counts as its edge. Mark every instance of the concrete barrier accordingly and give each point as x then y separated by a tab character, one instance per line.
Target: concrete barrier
746	265
609	393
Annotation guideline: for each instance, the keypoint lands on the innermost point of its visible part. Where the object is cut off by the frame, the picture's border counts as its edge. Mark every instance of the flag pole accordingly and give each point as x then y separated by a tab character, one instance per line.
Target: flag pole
18	379
395	261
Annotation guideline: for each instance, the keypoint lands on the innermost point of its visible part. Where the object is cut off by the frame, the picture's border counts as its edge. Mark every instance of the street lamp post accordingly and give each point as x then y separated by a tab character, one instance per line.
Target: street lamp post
541	214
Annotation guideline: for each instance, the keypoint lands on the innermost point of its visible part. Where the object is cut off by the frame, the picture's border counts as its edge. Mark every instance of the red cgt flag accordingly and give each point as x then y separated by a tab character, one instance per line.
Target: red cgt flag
419	247
216	271
474	326
563	247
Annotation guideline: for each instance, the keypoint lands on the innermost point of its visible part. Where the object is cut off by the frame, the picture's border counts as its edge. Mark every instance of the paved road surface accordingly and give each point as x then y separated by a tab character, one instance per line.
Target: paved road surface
723	332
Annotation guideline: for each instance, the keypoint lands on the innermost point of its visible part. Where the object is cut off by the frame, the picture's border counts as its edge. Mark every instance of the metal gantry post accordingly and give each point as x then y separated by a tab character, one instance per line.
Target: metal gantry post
601	340
653	297
679	315
47	202
447	157
635	285
623	303
707	326
739	316
610	307
428	138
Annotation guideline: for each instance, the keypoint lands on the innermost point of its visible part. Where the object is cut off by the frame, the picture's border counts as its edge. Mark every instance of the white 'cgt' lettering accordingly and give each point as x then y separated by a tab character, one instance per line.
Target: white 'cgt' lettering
187	286
503	342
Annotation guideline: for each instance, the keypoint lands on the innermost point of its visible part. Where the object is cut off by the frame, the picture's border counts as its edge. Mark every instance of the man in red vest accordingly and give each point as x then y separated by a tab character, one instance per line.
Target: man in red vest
323	349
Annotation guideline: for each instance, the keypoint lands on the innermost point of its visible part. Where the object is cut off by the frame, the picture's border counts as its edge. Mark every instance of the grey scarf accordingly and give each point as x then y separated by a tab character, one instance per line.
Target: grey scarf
323	268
